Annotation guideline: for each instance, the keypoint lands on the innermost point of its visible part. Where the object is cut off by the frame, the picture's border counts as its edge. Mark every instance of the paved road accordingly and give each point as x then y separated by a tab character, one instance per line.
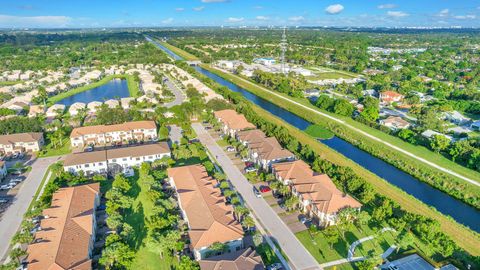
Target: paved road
366	134
179	95
298	256
12	218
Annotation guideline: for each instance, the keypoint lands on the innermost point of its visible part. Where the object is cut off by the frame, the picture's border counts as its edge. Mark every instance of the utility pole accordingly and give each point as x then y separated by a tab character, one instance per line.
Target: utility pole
283	47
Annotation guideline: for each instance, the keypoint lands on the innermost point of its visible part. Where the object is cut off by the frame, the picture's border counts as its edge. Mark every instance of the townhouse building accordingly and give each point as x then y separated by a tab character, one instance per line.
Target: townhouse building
318	196
139	131
66	236
245	259
232	122
210	220
21	142
116	160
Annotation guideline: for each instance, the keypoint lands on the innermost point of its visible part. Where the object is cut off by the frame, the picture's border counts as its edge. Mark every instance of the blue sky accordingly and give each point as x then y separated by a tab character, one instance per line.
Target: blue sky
169	13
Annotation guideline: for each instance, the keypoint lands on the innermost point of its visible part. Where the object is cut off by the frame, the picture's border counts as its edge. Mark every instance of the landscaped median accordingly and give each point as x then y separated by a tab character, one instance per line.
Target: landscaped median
133	87
450	184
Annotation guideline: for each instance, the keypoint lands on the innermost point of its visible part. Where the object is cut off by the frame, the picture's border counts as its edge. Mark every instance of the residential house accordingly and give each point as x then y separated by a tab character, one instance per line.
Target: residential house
232	122
318	196
66	236
394	122
388	97
267	61
430	133
456	117
55	110
114	134
3	169
75	108
210	219
116	160
112	103
21	142
18	106
36	110
245	259
94	106
126	102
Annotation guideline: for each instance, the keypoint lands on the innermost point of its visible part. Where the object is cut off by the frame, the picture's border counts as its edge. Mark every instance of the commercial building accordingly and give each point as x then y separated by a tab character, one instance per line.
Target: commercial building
210	220
232	122
116	160
67	232
21	142
245	259
114	134
318	196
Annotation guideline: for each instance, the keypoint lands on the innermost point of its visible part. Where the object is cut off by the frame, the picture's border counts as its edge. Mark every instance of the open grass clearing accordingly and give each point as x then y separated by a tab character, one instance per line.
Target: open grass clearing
319	132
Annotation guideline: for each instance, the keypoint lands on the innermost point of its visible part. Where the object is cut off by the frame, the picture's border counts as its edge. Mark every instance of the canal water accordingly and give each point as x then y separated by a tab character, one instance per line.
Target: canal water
444	203
116	88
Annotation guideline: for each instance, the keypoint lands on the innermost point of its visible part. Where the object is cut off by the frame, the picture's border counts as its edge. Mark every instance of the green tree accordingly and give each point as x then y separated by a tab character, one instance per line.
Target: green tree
332	235
188	264
405	240
17	253
439	143
121	183
117	255
163	133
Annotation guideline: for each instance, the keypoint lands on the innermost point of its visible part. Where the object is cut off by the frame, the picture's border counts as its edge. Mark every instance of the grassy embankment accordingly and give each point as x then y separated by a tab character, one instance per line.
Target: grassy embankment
133	87
9	83
463	236
185	55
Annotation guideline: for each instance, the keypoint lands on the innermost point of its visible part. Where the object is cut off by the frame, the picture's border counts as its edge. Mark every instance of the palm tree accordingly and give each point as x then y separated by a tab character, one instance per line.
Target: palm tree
248	222
17	253
241	211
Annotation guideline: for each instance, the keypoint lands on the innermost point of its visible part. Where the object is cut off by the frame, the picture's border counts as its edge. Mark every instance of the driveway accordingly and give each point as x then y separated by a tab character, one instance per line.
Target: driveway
13	216
179	95
298	256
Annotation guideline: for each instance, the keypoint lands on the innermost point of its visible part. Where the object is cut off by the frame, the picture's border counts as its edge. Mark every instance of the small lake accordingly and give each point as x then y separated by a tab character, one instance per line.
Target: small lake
116	88
444	203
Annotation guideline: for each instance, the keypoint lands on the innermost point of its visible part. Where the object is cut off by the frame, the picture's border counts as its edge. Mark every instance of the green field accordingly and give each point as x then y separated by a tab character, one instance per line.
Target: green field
133	88
9	83
319	132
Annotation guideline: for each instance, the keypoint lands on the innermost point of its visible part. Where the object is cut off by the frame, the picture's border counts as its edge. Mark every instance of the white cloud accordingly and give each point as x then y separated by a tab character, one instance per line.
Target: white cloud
180	9
262	18
444	13
214	1
296	18
34	21
386	6
198	8
167	21
397	14
235	20
334	9
465	17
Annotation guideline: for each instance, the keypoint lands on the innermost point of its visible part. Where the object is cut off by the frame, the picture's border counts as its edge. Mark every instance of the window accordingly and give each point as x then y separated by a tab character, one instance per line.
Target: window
124	159
87	165
137	158
114	160
100	163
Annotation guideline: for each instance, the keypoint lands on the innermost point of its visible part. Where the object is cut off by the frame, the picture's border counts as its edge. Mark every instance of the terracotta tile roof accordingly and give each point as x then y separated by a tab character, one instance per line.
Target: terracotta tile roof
233	119
395	120
21	137
246	259
128	126
270	149
251	136
64	241
318	188
102	155
210	218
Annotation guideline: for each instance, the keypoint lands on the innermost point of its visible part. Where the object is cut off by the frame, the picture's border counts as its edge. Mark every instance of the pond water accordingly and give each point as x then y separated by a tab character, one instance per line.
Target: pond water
116	88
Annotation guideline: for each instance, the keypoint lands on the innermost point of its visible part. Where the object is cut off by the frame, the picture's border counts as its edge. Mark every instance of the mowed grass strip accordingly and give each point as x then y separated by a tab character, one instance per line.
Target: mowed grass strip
185	55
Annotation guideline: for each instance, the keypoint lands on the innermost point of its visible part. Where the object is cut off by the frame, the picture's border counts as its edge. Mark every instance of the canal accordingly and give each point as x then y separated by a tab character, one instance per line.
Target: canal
461	212
116	88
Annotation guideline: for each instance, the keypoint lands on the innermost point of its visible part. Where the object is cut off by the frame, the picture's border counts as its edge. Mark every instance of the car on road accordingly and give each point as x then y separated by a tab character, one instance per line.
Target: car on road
3	200
251	169
89	149
305	220
275	266
230	148
249	164
4	187
264	189
256	192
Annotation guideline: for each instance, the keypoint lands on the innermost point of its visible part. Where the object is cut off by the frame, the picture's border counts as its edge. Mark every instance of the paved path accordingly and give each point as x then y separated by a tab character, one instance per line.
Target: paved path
177	92
298	256
366	134
12	218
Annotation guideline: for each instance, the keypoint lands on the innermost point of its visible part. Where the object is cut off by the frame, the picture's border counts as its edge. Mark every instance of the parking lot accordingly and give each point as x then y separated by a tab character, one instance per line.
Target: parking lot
11	184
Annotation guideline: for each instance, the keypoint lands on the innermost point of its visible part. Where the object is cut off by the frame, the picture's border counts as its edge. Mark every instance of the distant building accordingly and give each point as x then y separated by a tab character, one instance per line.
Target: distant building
55	110
75	108
210	219
125	102
21	142
232	121
395	122
311	93
114	134
116	160
413	261
456	117
94	106
67	235
245	259
36	110
318	196
389	97
112	103
430	133
267	61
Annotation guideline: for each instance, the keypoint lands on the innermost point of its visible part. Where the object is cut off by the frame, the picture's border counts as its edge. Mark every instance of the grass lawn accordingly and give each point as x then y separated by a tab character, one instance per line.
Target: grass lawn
319	132
268	256
222	143
49	151
132	88
140	210
9	83
343	266
320	249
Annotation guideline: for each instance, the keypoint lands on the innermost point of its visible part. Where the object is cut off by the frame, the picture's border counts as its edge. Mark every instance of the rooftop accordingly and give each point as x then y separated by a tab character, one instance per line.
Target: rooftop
246	259
128	126
233	119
